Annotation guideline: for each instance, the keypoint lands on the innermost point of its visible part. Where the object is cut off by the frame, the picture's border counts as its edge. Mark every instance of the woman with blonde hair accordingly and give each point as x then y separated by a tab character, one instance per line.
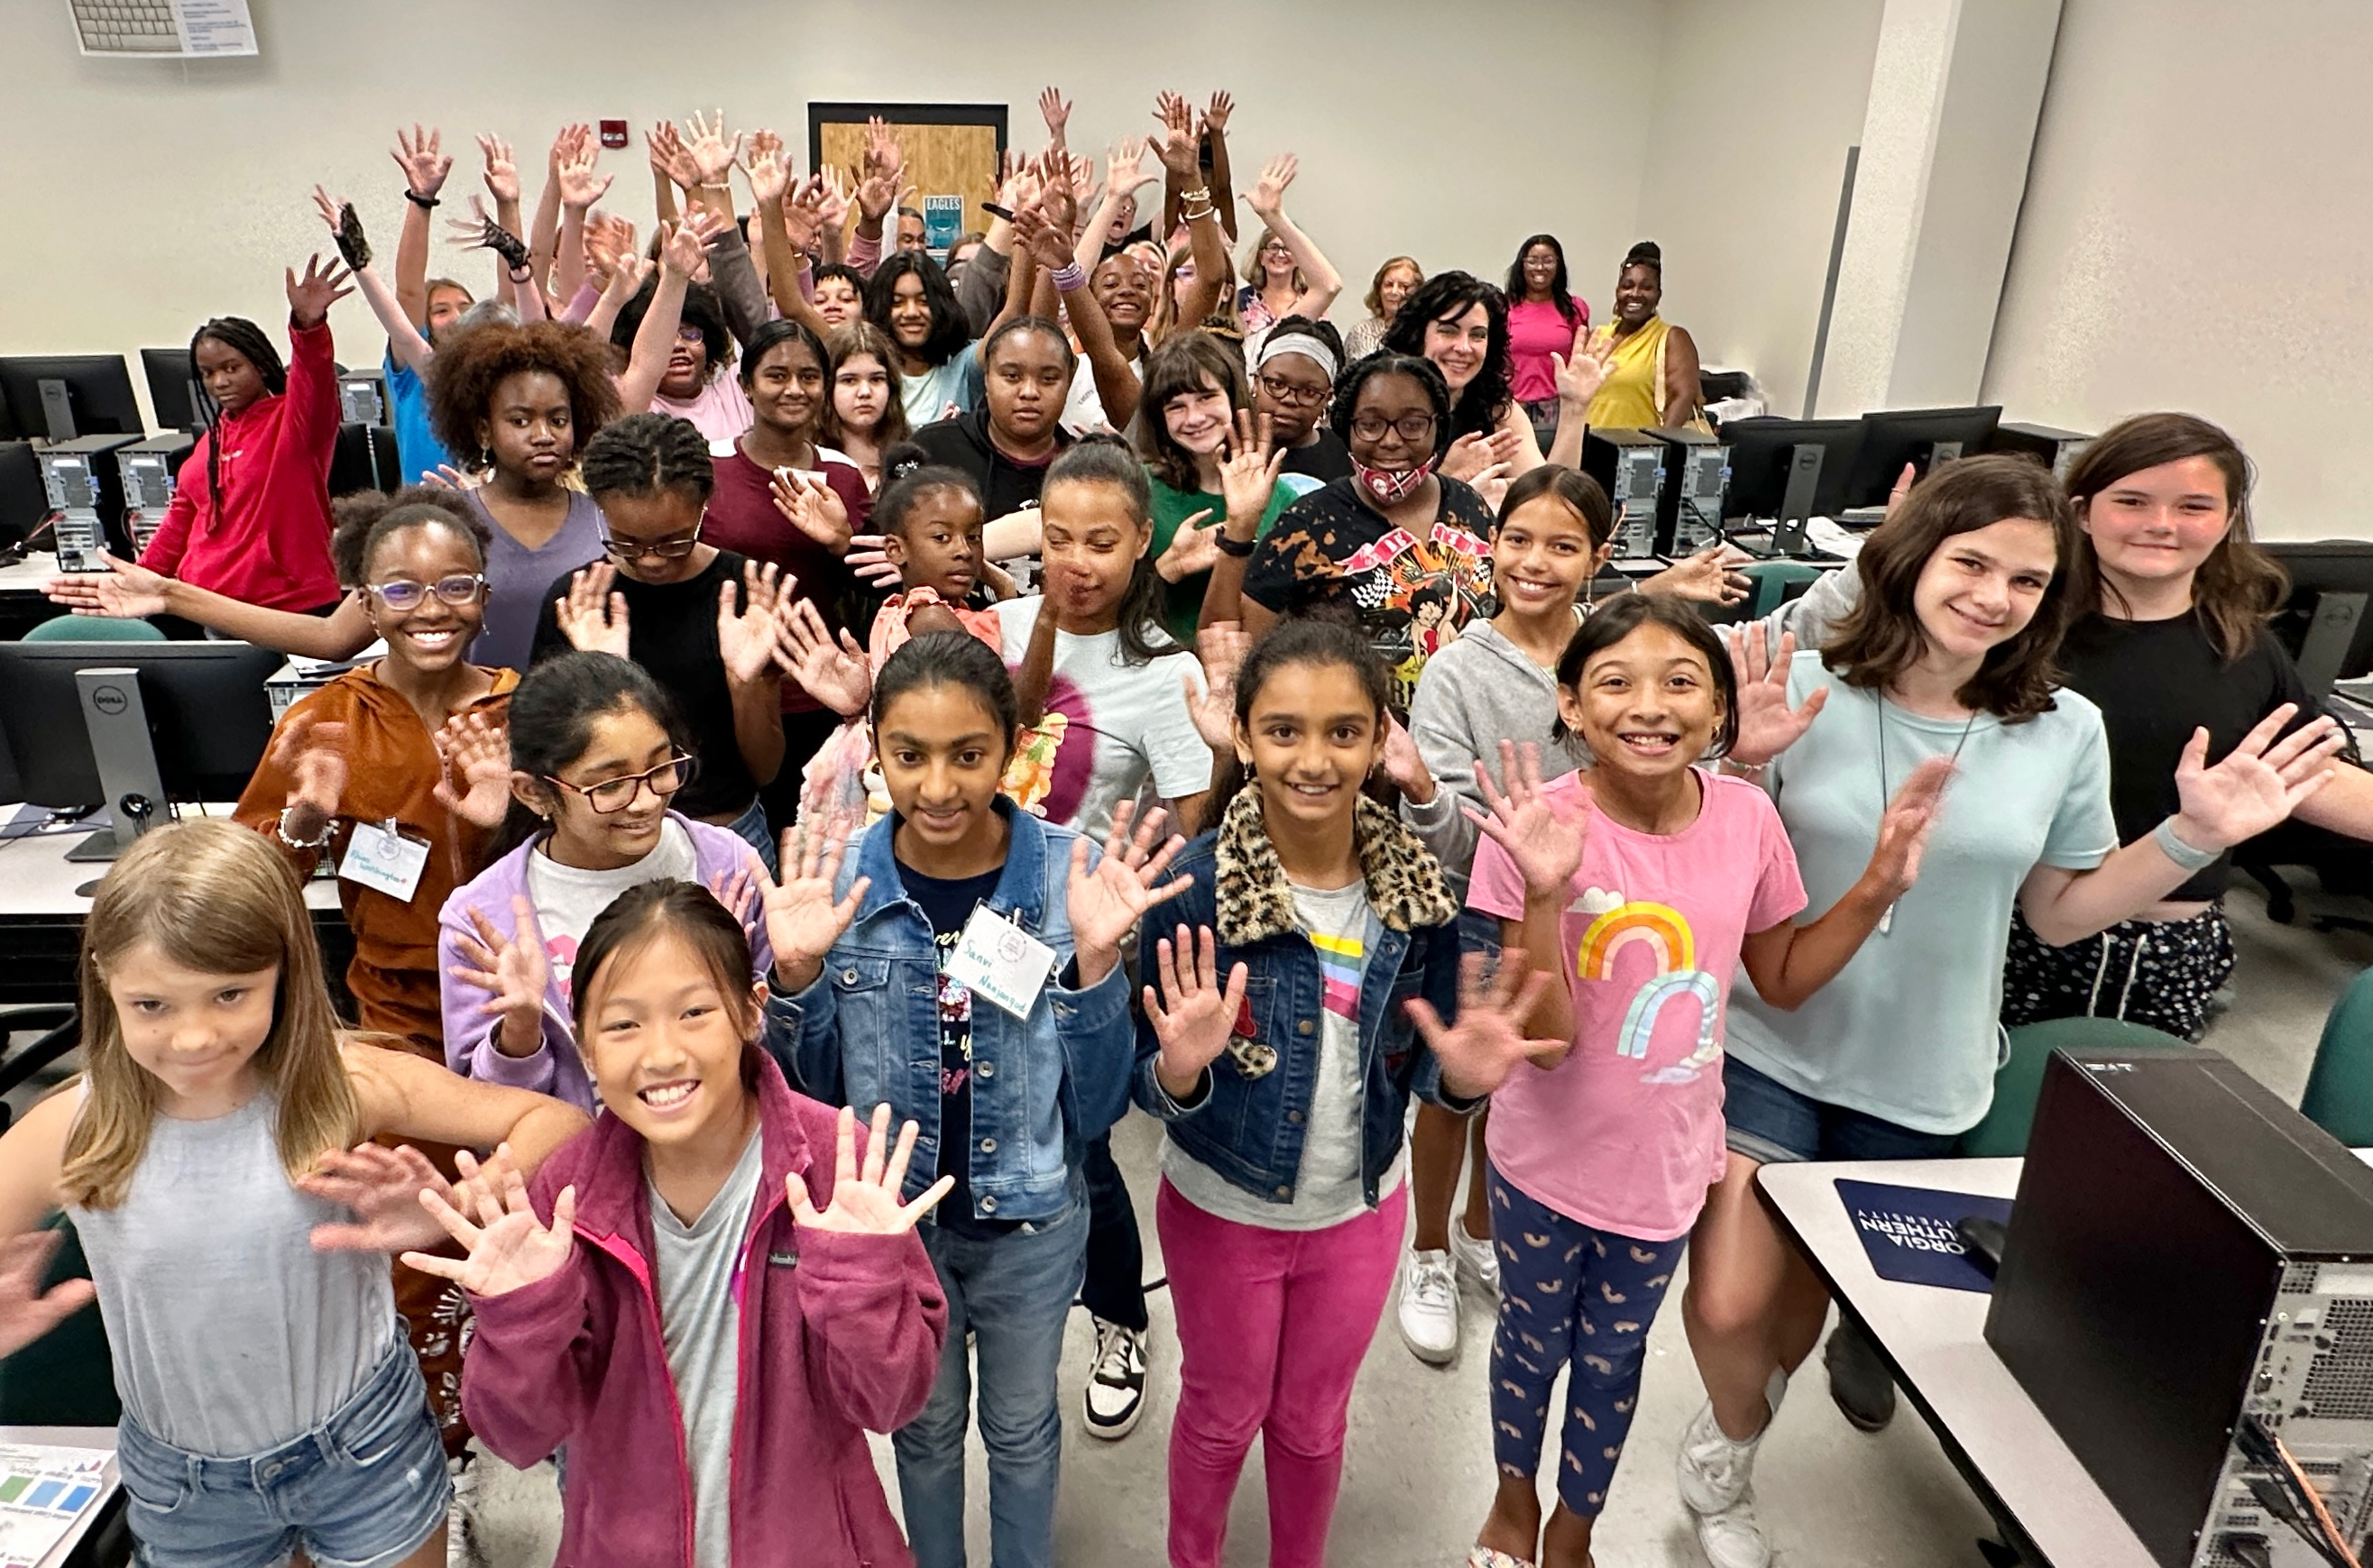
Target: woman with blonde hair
1394	282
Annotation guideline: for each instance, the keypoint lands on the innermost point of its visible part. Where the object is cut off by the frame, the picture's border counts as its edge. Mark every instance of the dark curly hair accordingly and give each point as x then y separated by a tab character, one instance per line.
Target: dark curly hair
645	454
950	328
701	311
1445	296
470	365
1385	362
363	521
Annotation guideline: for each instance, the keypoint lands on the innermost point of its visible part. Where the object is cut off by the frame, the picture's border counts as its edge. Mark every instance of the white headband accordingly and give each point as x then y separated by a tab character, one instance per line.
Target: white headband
1309	347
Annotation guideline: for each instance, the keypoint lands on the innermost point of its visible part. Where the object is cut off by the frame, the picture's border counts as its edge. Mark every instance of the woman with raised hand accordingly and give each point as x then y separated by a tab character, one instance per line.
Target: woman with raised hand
1286	273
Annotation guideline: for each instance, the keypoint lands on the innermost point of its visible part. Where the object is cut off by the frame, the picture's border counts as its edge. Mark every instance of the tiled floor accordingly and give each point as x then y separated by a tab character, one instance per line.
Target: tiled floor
1419	1476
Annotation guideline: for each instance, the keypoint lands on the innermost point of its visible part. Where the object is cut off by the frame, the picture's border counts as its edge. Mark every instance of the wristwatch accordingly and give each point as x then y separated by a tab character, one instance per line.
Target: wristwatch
1231	547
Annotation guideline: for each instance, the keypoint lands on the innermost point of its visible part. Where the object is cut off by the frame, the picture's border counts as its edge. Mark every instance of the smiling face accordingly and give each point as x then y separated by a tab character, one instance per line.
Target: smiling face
1027	378
432	636
1313	737
446	303
1459	344
837	301
531	427
860	392
1199	420
942	754
938	546
1980	589
195	1032
663	1044
625	741
1092	549
1639	290
1541	560
1273	263
1120	288
229	376
1540	271
787	389
1647	706
910	312
2158	523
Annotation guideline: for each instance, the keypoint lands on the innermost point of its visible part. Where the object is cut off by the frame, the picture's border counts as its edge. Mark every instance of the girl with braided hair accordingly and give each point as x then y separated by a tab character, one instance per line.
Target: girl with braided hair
251	519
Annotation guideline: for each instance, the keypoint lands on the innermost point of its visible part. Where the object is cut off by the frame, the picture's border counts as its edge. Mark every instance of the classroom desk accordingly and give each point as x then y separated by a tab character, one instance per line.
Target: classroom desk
23	605
98	1539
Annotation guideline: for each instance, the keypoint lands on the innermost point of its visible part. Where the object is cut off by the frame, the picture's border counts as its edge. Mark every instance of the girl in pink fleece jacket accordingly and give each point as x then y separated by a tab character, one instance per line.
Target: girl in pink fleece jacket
706	1297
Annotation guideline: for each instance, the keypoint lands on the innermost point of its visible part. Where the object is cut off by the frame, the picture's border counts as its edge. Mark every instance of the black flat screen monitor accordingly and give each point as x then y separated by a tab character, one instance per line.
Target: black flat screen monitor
1763	456
208	717
1893	438
2326	621
173	391
98	389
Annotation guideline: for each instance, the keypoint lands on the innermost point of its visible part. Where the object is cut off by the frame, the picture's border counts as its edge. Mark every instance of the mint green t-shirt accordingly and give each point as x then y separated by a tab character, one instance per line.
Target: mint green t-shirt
1909	1029
1183	601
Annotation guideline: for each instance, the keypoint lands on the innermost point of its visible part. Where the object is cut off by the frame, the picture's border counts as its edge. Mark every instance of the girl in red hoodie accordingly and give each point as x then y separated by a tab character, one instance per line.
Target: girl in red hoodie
722	1300
251	513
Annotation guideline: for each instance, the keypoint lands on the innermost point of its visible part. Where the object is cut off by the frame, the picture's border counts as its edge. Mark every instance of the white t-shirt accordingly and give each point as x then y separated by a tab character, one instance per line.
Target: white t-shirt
1118	723
566	898
1083	407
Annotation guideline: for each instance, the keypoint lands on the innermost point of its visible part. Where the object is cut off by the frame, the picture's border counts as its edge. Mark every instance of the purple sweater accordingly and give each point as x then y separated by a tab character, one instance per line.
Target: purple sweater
555	1069
840	1334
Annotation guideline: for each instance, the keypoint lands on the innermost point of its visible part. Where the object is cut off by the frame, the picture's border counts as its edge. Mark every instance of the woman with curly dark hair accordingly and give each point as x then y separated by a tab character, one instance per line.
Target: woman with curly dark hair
1460	323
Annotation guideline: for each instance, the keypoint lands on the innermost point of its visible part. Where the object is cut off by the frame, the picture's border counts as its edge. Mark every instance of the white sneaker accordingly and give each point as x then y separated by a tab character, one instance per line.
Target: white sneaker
1428	1314
1115	1396
1717	1476
1733	1538
1476	1255
462	1547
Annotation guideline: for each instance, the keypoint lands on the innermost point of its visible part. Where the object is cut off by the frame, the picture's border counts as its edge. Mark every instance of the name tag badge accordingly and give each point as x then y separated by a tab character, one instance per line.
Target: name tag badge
999	962
379	857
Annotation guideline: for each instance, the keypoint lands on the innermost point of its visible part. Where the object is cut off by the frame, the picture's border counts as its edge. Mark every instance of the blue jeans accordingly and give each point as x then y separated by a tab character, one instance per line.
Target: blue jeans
1772	1124
1013	1292
751	827
364	1488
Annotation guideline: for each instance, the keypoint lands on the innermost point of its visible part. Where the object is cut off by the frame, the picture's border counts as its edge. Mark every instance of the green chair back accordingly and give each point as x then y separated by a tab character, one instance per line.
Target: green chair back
2339	1095
1772	580
2020	1080
93	629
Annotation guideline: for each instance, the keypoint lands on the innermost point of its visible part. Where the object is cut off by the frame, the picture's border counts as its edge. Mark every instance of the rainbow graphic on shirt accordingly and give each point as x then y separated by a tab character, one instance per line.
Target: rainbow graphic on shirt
1618	924
1340	959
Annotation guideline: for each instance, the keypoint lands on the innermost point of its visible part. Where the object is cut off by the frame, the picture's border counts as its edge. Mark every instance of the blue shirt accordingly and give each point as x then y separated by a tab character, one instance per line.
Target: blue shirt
417	451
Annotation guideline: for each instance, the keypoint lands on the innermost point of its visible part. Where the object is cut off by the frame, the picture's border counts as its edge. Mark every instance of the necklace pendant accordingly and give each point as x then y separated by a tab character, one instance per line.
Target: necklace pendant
1887	920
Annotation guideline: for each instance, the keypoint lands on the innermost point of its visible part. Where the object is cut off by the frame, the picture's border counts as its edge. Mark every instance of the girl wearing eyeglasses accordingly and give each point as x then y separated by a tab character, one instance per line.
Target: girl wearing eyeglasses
597	761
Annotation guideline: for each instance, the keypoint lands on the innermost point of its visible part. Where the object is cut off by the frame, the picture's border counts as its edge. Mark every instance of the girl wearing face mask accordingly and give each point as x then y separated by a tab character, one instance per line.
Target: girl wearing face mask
1196	404
1651	364
1948	654
867	415
1394	282
718	1251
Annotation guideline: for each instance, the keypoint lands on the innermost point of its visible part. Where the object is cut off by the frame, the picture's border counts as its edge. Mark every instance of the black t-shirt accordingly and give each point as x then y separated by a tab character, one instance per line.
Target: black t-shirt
672	632
1325	459
947	904
2155	681
1005	483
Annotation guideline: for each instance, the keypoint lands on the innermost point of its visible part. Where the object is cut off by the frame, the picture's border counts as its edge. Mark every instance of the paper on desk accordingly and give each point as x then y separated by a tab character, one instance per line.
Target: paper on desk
1908	1232
1837	540
42	1492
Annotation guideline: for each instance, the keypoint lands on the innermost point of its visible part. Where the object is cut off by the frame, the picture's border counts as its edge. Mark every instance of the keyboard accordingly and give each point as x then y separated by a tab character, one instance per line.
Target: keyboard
127	27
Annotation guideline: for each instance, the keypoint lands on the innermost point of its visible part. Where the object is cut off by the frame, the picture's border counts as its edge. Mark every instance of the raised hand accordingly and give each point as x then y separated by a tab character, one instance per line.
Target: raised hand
712	150
1049	245
1106	903
1056	110
1492	484
812	506
1125	168
1486	1044
2257	785
1581	375
1268	195
125	590
746	636
831	201
1404	764
477	754
835	673
1192	1016
480	231
868	560
1903	828
1176	148
681	247
510	1250
1193	549
803	918
502	175
591	615
422	157
1545	846
312	752
27	1312
1767	725
669	157
583	183
1058	187
1248	473
865	1198
1221	648
1468	456
310	297
382	1186
1902	487
515	970
882	153
766	166
1710	575
1215	115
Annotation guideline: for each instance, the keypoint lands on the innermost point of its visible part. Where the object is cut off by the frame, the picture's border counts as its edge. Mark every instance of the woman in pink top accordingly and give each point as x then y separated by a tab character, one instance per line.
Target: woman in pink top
1544	318
1642	882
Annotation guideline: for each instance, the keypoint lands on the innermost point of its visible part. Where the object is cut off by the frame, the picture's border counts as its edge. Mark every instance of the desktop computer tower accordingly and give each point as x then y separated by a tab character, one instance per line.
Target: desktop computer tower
2187	1295
147	470
1697	476
1629	464
2055	449
87	494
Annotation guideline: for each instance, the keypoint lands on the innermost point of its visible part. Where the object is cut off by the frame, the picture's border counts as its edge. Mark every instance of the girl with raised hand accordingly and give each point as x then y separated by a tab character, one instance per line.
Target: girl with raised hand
1285	272
1197	401
867	415
700	618
251	518
961	928
1950	653
1316	942
238	1238
1600	1155
596	761
711	1297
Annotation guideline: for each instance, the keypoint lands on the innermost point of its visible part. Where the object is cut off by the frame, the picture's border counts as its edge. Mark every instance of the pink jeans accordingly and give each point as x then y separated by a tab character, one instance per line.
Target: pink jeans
1272	1326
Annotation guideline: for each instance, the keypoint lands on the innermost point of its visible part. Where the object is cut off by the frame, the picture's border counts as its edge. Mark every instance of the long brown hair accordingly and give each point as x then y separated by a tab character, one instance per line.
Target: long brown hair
215	897
1191	362
2239	585
844	342
1881	637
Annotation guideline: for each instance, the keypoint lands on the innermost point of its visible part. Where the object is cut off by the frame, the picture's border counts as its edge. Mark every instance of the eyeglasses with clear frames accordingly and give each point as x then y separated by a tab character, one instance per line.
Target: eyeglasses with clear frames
403	594
615	795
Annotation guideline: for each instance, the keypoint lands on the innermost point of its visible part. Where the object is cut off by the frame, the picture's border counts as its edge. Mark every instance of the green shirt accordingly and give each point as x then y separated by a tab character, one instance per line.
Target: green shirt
1183	600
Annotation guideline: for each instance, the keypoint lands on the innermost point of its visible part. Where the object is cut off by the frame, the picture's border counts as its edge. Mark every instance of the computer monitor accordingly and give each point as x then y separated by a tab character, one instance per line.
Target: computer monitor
2325	624
1788	469
1921	436
173	390
62	396
207	722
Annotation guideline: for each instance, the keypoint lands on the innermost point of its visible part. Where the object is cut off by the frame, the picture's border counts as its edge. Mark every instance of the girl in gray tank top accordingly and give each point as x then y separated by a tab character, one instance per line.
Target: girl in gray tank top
237	1242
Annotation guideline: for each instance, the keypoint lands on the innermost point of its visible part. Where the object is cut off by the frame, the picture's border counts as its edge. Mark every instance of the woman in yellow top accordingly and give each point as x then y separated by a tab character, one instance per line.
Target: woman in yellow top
1651	366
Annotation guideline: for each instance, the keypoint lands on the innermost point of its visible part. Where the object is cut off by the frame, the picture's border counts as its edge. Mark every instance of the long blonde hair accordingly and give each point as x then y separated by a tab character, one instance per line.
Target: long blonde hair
1222	318
213	896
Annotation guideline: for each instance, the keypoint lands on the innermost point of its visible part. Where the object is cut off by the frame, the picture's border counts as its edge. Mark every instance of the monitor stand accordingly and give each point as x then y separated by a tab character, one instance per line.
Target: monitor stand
118	725
2325	646
1788	537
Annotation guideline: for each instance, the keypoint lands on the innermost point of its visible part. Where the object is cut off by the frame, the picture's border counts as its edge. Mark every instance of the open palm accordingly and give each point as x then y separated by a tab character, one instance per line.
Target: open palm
591	615
803	918
1544	845
508	1247
1192	1016
1487	1042
746	637
2258	785
476	753
1107	902
1767	725
382	1186
865	1198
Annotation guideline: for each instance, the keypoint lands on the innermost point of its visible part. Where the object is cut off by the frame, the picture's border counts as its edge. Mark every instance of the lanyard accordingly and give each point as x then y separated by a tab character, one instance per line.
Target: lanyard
1879	702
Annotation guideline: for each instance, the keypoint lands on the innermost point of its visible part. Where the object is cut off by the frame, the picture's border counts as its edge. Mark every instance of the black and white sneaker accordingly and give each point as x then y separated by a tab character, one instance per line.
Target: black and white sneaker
1115	1396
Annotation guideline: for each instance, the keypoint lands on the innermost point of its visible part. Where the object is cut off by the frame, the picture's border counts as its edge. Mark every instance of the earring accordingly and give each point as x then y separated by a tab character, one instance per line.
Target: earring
486	458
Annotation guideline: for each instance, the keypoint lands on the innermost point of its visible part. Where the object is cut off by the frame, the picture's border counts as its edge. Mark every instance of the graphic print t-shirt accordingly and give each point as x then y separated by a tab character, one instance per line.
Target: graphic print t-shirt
1625	1135
947	904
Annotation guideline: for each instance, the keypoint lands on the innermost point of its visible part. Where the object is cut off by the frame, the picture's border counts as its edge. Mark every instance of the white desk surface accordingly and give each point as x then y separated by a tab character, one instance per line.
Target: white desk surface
30	575
36	878
69	1438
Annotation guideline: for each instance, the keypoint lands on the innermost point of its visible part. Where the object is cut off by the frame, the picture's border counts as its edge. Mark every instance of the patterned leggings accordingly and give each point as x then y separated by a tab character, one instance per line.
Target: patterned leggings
1569	1293
2160	973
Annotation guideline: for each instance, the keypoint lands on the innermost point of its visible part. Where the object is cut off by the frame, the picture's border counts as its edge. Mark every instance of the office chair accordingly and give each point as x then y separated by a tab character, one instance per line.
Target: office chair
2339	1095
2020	1080
93	629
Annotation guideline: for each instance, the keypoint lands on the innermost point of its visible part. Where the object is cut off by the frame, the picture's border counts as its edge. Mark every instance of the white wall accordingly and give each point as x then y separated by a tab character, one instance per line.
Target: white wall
151	195
1756	105
2198	217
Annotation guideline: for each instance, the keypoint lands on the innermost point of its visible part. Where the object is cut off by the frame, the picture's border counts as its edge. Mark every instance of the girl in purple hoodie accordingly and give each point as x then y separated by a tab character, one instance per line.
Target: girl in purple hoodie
715	1292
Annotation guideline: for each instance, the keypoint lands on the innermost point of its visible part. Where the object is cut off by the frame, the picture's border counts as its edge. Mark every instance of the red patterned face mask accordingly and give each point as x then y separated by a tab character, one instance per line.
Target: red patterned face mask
1387	488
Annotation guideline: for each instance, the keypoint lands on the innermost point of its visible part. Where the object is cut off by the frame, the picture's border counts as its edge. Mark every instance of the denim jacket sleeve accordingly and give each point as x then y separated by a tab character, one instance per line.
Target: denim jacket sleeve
1092	1025
1145	1083
802	1036
1422	1074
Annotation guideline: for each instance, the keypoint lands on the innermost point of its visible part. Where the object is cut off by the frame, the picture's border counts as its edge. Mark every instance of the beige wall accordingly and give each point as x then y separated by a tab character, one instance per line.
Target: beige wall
2198	216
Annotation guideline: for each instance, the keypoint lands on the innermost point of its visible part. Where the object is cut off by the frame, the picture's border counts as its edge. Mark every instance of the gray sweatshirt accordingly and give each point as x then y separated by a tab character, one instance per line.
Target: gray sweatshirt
1479	690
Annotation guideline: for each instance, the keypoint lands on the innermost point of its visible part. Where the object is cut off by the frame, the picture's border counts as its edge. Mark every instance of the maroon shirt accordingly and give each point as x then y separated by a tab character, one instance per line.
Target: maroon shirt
742	518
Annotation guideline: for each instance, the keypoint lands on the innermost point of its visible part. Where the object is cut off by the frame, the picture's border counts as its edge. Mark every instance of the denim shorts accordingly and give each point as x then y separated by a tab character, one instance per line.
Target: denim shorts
364	1488
1772	1124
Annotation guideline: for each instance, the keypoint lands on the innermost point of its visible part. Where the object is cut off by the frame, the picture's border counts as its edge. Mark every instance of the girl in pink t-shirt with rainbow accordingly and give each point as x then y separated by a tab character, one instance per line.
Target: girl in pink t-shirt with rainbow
1643	881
